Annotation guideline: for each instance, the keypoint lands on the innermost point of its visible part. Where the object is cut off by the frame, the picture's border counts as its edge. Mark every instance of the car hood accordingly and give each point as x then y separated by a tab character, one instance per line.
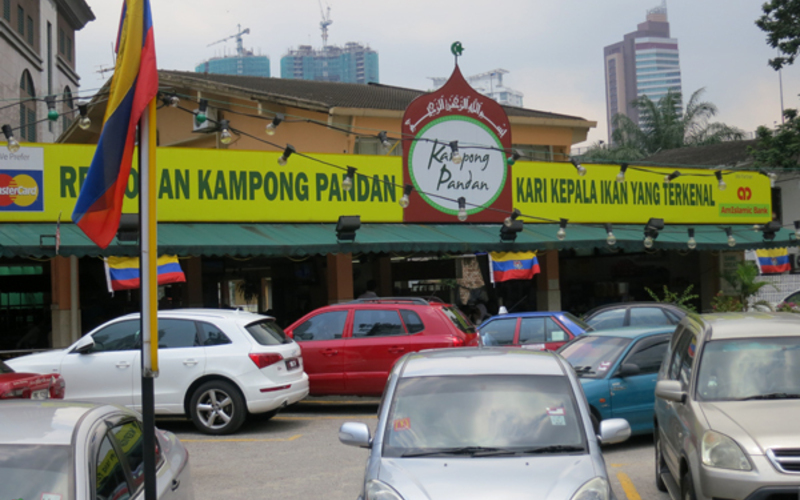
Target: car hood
511	478
42	362
757	425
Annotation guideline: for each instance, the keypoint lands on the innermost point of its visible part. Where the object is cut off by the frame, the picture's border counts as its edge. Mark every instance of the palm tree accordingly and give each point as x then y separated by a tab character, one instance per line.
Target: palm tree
664	125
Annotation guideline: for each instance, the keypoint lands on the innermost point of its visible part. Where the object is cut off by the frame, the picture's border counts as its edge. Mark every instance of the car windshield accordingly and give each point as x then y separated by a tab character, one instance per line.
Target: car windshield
267	332
581	323
480	415
762	368
592	356
458	319
4	368
35	471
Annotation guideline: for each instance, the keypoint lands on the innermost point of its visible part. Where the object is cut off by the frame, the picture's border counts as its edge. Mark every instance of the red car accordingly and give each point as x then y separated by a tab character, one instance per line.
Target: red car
349	349
15	385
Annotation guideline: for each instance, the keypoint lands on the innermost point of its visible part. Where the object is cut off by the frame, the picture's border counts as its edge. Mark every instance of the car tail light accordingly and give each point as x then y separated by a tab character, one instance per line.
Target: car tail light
263	359
57	388
458	342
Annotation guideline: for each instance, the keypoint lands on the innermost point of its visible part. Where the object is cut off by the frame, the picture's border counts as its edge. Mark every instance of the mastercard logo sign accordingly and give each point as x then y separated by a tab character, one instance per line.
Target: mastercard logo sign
21	190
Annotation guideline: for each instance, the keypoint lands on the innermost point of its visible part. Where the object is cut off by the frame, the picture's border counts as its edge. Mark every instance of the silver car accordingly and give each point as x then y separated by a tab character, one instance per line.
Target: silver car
74	451
484	423
728	408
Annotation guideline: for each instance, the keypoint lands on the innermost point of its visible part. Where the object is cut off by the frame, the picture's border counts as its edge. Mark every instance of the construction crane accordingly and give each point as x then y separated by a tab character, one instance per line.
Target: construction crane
238	36
326	21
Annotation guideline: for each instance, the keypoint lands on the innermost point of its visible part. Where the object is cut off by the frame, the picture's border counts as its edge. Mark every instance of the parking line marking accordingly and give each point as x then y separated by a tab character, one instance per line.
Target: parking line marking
618	465
628	487
342	417
242	440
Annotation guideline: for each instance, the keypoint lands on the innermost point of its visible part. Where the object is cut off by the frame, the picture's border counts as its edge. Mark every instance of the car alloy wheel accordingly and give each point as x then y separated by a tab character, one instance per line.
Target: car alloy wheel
217	408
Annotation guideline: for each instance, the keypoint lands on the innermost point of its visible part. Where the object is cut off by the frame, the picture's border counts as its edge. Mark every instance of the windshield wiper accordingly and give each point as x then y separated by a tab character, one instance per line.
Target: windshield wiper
462	450
583	370
772	395
555	448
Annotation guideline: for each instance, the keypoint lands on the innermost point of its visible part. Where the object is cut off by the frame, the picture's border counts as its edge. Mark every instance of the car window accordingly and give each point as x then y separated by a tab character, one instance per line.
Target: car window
211	335
648	316
129	439
110	479
120	336
377	323
325	326
458	319
682	357
412	320
499	332
674	319
647	354
176	333
267	332
614	318
793	298
540	330
593	356
36	471
582	324
554	332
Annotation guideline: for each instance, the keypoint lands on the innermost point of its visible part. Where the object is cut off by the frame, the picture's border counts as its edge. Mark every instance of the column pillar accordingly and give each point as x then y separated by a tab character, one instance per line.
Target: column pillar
65	306
194	281
548	283
382	271
340	277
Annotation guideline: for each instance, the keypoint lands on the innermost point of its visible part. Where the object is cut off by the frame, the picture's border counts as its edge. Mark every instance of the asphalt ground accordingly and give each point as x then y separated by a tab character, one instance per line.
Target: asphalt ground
297	455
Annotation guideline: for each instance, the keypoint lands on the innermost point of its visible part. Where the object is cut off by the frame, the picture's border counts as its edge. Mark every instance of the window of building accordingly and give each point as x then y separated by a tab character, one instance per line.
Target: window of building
30	30
69	49
62	44
27	108
534	153
21	20
7	10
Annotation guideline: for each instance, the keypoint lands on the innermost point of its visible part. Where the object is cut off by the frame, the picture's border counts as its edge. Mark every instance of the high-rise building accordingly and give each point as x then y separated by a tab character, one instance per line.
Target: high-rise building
245	62
353	63
490	84
644	63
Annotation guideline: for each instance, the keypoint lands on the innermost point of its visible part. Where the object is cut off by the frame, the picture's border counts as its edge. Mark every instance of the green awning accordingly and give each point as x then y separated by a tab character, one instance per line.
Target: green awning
296	240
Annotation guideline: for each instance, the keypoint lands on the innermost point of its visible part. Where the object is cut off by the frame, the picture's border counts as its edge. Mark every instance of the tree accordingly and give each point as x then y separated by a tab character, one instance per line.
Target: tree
781	22
779	148
664	125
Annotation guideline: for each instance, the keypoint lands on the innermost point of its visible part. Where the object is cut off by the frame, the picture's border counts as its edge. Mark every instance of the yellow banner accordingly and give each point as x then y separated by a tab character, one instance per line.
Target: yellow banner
556	191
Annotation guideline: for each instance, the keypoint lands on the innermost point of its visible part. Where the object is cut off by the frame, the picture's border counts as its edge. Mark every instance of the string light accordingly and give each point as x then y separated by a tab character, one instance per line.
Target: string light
610	239
511	218
200	114
721	184
286	154
271	126
621	175
651	230
13	145
384	139
580	168
455	157
691	243
84	122
462	209
513	158
52	114
405	200
731	239
225	136
671	177
171	100
797	229
562	230
773	177
347	183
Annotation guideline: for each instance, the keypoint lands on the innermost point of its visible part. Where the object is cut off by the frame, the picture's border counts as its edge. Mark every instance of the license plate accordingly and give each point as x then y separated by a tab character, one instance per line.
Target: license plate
292	364
42	394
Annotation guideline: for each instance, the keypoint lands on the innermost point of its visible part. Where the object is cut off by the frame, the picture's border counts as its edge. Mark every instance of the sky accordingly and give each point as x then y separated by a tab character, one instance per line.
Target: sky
552	49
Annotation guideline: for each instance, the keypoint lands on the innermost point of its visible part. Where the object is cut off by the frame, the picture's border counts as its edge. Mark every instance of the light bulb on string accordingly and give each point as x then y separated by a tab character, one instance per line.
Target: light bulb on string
347	183
797	229
580	168
648	242
13	145
671	177
611	240
200	115
509	221
511	160
84	122
225	136
731	239
462	209
691	243
561	234
721	185
406	200
52	114
283	160
621	175
455	157
384	140
271	126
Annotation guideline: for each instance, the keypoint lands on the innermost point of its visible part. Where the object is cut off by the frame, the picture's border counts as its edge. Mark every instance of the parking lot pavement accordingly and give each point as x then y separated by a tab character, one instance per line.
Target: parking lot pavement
297	455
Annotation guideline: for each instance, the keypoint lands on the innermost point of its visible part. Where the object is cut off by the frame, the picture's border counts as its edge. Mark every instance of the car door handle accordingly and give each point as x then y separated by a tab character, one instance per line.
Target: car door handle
397	350
189	362
123	364
175	484
329	352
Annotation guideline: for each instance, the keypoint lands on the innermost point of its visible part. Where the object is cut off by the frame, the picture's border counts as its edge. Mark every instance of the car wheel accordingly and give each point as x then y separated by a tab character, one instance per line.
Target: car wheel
267	414
660	465
687	487
217	407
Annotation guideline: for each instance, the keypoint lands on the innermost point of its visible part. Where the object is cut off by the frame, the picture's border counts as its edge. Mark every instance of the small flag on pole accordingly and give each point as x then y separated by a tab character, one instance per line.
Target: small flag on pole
773	261
122	273
513	265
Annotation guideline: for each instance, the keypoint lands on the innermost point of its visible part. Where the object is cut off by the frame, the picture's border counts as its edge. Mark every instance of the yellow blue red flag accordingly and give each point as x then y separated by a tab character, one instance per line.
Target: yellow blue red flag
122	273
774	261
133	86
513	265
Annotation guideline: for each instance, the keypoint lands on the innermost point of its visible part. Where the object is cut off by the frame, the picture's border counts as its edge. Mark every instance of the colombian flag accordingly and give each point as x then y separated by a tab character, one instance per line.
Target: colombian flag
774	261
513	265
133	86
122	273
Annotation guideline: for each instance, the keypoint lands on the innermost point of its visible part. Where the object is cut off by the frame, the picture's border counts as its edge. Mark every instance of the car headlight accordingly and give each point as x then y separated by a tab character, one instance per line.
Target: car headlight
594	489
378	490
720	451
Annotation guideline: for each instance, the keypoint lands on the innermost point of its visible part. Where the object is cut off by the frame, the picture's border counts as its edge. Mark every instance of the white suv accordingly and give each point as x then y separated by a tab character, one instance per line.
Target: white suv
214	366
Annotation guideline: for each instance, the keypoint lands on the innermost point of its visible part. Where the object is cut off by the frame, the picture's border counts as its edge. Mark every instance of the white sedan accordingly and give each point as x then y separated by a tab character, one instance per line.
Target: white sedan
215	366
59	450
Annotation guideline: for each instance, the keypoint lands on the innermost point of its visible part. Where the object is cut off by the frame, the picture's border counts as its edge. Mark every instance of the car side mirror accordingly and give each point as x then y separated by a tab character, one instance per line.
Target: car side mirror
355	434
671	390
628	370
614	430
84	345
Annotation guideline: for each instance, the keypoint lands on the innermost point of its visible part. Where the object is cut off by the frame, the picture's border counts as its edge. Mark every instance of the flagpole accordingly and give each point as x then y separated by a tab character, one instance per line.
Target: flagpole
149	290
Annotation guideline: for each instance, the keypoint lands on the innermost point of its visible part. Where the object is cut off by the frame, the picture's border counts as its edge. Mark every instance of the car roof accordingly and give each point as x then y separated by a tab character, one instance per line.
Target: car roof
643	303
42	422
752	324
481	361
526	314
631	332
232	314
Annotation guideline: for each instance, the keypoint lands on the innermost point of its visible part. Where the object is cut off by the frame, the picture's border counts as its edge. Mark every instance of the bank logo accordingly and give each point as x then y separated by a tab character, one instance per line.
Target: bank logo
744	193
